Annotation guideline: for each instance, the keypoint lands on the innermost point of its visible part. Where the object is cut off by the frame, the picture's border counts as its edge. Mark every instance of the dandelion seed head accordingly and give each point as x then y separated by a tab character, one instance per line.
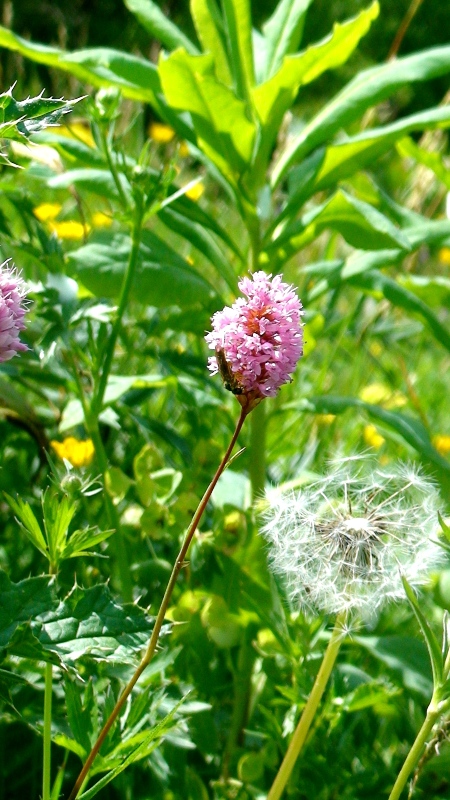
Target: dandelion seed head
344	542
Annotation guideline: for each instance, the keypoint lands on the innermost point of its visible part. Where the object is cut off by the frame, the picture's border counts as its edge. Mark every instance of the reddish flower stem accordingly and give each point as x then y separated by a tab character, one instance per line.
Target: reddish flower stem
151	647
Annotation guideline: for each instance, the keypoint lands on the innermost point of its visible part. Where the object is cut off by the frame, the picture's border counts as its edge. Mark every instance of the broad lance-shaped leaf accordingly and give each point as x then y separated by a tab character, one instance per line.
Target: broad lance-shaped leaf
136	77
89	622
209	25
238	27
219	117
365	90
411	430
159	25
162	276
274	97
282	34
403	298
358	222
430	639
326	166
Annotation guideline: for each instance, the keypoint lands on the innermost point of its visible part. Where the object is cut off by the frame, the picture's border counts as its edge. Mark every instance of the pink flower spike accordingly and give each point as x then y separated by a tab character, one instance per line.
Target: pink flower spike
257	341
13	307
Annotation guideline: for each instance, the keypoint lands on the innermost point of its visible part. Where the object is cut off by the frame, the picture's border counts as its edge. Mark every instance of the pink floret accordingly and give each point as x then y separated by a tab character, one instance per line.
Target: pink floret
13	307
261	337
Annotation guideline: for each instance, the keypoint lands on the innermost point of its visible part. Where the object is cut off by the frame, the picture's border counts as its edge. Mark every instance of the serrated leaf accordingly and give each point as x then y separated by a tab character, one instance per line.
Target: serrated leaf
153	19
432	643
21	602
162	276
29	523
80	542
367	89
403	654
367	695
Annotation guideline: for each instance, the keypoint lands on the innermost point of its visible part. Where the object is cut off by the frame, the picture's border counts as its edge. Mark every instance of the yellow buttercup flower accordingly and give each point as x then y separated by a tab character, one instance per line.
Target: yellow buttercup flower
442	444
101	220
79	452
69	229
382	395
444	256
47	211
325	419
161	133
372	437
195	192
78	130
183	150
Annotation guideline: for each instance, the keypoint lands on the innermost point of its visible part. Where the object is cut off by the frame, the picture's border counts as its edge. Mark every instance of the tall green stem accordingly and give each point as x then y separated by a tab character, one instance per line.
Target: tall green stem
309	710
46	776
433	714
151	647
257	450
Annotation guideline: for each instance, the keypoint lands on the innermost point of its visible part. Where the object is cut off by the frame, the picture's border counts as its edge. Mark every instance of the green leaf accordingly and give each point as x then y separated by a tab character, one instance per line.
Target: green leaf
21	602
432	643
274	97
397	295
238	26
159	25
357	221
162	276
97	181
191	210
283	33
136	77
202	241
28	523
433	290
210	30
405	655
365	90
219	117
411	430
431	159
366	695
143	750
80	542
58	514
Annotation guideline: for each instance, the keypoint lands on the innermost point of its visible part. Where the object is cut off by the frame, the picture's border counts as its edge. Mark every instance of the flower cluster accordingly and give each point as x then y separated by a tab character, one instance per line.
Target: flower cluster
344	542
13	307
258	340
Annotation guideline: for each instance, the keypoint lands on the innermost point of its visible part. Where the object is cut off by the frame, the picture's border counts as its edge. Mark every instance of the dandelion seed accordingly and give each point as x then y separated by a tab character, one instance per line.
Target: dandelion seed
13	307
258	340
344	542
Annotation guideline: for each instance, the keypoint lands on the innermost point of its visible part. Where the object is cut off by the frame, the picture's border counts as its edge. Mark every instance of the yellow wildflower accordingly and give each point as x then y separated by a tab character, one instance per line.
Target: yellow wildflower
79	452
78	130
101	220
442	444
375	349
161	133
325	419
47	211
195	192
380	394
372	437
444	256
69	229
183	150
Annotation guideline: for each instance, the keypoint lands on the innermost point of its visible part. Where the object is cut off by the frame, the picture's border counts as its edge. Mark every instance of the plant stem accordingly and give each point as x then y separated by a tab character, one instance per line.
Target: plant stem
123	301
151	647
46	776
309	710
433	714
257	450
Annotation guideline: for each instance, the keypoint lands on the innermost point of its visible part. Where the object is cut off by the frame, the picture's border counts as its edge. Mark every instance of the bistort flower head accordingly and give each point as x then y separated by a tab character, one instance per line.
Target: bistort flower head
259	340
344	542
13	307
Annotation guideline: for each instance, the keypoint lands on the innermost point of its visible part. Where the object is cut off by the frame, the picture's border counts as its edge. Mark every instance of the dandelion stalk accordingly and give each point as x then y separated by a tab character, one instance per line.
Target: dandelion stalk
433	713
310	709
